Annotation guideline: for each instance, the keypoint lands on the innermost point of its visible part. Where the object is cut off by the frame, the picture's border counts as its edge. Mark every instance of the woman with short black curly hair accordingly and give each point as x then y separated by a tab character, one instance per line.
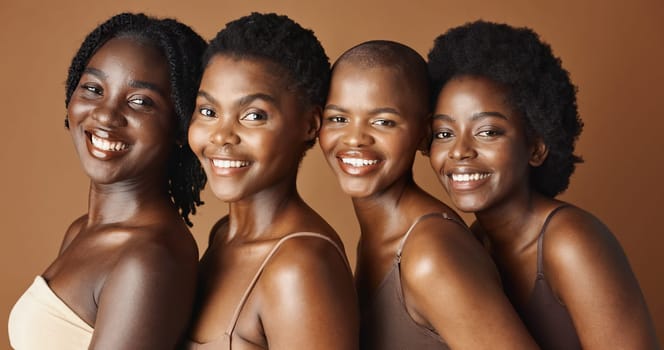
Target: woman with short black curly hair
126	273
504	129
275	274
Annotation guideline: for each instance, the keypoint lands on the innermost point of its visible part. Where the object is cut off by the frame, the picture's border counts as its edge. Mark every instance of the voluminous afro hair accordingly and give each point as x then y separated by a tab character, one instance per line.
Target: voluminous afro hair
183	50
537	87
280	40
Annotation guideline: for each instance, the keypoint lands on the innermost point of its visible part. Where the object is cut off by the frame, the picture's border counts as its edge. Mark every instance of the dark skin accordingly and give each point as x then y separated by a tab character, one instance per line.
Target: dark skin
373	124
127	267
249	131
477	132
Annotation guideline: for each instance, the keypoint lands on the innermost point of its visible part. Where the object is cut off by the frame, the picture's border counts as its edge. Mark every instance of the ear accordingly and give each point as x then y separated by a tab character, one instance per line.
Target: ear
314	121
538	152
425	142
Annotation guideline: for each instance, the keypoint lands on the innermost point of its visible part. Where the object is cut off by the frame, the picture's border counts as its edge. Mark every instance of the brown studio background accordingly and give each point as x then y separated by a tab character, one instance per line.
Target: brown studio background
613	50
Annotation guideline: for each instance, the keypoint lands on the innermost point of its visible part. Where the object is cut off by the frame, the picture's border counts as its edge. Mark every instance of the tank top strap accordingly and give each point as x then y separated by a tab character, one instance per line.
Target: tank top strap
417	221
254	280
540	239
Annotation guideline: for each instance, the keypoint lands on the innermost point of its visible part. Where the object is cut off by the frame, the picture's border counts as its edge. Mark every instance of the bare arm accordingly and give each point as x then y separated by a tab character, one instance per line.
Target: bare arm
146	300
310	300
589	272
453	286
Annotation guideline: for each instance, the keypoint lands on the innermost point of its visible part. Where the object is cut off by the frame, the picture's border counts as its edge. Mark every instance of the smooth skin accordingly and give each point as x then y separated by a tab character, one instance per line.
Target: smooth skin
477	132
250	131
449	282
128	266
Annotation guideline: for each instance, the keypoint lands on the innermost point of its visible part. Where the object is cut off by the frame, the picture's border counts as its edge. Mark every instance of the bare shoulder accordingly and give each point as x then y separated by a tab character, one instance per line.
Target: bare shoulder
158	246
305	254
575	238
588	271
149	290
442	249
308	282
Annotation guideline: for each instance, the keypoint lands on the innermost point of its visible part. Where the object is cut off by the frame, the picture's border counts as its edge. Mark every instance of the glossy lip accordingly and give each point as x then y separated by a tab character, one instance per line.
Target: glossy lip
228	165
358	162
470	184
105	154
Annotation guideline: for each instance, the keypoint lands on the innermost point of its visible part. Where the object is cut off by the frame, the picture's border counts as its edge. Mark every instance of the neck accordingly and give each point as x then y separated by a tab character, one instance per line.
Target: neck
263	214
509	225
381	215
126	200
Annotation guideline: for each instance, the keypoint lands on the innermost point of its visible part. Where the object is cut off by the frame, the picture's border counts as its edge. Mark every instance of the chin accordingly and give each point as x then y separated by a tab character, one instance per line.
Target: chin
468	205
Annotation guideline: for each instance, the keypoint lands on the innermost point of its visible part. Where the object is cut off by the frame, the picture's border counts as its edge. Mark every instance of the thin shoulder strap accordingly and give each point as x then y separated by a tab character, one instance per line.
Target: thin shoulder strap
540	239
417	221
247	292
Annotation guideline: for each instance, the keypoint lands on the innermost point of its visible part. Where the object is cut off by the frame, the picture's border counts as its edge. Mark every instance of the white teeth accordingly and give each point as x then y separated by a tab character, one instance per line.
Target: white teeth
106	145
219	163
469	177
358	162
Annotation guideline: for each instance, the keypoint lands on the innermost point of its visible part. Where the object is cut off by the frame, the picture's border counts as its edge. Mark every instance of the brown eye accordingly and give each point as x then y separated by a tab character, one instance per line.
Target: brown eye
254	116
442	135
207	112
337	119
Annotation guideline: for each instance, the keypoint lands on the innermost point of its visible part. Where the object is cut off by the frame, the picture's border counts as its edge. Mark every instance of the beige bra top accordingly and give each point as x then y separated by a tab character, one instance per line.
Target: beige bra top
224	342
41	320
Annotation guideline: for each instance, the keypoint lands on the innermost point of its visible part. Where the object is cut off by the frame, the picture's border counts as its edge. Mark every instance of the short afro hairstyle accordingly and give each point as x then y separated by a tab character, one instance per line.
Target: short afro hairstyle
538	87
183	50
280	40
385	53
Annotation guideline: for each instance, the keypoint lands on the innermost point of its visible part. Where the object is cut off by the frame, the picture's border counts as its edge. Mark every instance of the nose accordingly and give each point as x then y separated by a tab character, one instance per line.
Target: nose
356	136
110	115
462	148
224	133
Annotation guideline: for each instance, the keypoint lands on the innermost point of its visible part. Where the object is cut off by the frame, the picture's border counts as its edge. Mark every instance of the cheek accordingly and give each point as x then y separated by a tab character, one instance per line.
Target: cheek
327	140
437	156
197	137
76	111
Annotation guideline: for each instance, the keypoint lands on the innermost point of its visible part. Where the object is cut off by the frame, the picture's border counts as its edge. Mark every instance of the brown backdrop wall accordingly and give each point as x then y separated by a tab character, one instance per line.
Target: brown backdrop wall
613	51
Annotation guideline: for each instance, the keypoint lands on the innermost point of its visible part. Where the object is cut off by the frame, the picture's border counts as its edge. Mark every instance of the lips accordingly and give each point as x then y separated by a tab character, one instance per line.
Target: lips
102	145
228	164
469	177
107	145
358	163
466	179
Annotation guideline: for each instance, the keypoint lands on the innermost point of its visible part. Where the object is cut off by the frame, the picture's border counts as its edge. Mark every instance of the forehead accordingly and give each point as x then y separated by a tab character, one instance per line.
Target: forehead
473	93
371	86
129	56
226	75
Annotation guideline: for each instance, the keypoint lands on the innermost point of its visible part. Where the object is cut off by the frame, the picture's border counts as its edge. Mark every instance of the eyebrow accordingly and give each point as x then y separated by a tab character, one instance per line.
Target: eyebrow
375	111
96	72
474	117
138	84
245	100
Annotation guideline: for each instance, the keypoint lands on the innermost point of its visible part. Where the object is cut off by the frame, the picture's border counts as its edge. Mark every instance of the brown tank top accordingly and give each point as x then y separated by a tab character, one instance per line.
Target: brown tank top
385	322
547	319
225	341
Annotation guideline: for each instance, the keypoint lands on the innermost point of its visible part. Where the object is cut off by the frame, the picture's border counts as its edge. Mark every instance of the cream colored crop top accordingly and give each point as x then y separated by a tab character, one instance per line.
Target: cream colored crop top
41	320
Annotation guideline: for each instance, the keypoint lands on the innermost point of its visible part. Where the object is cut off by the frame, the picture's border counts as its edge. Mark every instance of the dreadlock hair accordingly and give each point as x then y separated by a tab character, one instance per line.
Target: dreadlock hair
183	49
538	87
279	40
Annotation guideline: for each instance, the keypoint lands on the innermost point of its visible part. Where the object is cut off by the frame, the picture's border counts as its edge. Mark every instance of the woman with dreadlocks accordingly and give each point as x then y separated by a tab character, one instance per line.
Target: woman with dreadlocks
125	274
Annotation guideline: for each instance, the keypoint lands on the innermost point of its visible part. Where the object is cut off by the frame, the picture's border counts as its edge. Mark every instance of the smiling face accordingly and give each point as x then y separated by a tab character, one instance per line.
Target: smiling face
249	128
480	150
121	115
372	128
